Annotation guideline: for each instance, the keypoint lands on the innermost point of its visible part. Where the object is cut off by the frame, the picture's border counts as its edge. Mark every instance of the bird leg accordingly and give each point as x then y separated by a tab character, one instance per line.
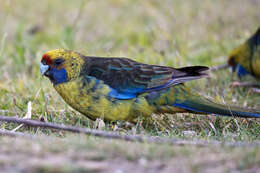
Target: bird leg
244	84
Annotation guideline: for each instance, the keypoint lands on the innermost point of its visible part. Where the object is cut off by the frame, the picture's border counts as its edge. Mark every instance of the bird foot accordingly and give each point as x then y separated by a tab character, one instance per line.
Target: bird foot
235	84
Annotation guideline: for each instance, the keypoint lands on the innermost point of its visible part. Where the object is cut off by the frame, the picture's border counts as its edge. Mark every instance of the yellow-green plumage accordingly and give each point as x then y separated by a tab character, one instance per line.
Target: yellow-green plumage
122	89
256	62
246	57
97	105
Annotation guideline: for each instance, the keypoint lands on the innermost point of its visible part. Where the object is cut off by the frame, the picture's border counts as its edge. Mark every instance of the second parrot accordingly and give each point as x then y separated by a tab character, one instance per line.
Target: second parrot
245	61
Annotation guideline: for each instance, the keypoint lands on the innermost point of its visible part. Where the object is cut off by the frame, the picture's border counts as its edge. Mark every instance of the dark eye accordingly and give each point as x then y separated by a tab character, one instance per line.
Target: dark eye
58	61
43	62
232	61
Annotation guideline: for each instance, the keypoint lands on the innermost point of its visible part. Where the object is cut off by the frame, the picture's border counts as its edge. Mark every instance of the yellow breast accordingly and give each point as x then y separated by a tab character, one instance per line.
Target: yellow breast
94	103
256	62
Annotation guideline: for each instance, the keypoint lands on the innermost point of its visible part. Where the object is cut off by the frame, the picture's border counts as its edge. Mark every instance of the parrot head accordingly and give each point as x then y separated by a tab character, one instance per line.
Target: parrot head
61	65
238	60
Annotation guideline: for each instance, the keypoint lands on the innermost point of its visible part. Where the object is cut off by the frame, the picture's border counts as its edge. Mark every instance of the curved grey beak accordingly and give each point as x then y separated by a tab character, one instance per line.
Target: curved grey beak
43	68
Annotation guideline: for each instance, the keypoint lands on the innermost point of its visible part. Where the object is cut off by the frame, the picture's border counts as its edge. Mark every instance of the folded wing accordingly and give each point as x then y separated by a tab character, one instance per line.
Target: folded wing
127	78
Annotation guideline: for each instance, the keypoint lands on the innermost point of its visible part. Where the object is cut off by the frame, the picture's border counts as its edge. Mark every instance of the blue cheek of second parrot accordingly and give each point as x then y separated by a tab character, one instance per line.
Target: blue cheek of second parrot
58	75
241	71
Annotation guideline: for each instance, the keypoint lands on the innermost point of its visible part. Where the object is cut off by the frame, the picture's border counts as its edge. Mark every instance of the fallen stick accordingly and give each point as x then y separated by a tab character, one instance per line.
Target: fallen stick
15	134
115	135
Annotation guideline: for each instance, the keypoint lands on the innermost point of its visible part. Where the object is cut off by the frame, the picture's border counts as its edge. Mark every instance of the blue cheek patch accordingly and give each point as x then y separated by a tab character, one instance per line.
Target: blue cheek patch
241	71
59	76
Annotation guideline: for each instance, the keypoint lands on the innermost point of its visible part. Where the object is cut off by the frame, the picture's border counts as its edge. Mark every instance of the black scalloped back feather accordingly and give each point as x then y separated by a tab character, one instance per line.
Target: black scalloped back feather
128	76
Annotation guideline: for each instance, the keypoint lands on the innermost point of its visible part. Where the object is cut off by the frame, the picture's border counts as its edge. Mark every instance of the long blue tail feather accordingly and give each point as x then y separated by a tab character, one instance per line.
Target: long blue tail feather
205	106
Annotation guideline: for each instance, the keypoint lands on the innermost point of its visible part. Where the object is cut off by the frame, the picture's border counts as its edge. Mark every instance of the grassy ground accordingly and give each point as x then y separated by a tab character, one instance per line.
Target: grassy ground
76	154
174	33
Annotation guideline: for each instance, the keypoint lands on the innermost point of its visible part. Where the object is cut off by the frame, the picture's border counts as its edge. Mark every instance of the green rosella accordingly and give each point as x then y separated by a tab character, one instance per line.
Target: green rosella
123	89
245	60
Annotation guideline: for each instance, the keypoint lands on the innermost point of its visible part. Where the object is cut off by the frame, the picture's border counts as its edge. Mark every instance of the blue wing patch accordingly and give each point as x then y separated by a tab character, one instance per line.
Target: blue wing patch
122	96
130	93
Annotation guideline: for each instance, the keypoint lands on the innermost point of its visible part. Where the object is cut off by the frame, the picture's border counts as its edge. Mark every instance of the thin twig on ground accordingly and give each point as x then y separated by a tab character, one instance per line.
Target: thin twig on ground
219	67
116	135
15	134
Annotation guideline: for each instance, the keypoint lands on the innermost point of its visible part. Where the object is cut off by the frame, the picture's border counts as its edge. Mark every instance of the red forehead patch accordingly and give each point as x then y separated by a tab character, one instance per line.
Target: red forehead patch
46	58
